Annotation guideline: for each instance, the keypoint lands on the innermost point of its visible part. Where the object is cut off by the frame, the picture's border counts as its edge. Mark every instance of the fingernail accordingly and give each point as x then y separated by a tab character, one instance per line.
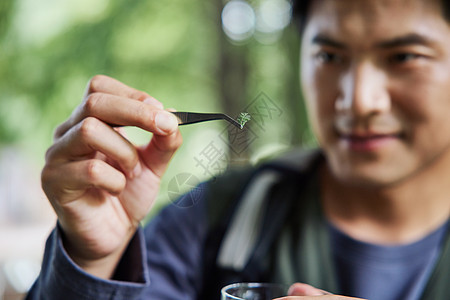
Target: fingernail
166	121
153	102
137	170
291	291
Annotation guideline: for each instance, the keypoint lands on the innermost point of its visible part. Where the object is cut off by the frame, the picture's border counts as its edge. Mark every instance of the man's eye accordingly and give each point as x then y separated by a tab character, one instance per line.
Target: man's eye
404	57
327	57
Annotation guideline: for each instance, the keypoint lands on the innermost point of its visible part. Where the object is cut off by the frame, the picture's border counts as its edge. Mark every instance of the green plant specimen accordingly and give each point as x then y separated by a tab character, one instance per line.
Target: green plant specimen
243	118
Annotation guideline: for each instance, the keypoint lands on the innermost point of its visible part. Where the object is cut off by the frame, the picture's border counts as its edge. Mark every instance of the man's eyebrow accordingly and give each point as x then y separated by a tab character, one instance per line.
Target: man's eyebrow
401	41
324	40
406	40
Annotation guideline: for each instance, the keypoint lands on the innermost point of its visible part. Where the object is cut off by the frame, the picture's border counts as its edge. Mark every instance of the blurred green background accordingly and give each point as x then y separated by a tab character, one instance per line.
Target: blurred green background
176	50
193	55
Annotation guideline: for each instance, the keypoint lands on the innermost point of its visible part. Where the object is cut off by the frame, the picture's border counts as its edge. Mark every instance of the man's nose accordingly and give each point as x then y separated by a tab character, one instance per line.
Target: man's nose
363	91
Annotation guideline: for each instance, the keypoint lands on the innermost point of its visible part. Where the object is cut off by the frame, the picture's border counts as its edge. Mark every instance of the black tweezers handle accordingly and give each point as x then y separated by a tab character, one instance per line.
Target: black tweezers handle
192	117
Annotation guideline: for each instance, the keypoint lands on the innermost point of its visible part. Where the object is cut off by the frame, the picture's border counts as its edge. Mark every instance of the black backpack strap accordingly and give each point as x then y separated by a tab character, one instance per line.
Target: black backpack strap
277	208
245	227
271	189
222	196
438	285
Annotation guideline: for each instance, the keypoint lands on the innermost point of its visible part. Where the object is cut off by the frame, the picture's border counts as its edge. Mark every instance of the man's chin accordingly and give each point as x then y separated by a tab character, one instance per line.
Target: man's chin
368	177
366	182
373	170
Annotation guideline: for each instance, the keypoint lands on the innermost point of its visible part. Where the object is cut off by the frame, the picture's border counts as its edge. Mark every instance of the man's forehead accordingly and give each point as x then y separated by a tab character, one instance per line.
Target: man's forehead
374	6
373	19
373	9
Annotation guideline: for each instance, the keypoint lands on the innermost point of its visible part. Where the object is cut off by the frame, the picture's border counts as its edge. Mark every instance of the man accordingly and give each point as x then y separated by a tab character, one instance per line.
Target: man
367	218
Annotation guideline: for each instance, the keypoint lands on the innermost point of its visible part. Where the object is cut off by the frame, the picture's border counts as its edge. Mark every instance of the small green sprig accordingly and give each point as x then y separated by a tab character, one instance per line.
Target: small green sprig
243	118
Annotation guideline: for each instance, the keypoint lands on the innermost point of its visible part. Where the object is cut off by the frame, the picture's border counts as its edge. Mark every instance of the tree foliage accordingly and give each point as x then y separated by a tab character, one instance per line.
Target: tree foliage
175	50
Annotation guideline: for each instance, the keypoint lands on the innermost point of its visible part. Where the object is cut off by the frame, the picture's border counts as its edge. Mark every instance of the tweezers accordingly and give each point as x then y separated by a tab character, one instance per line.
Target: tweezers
185	118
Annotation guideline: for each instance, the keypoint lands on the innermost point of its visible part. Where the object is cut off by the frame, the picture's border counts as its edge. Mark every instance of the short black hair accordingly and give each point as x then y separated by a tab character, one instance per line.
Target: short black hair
300	11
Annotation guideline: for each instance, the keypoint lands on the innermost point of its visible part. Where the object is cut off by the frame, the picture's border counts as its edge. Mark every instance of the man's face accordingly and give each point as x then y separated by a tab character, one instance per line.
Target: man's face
376	77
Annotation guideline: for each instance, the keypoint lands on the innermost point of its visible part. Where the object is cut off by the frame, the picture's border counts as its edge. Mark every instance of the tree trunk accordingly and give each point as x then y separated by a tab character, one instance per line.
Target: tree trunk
232	74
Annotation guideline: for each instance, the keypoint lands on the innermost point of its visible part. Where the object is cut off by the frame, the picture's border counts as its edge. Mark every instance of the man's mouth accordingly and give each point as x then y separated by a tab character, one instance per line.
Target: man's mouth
367	142
368	134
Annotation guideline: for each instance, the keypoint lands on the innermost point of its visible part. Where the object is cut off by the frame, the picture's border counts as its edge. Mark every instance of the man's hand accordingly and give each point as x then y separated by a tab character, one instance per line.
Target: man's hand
302	291
100	185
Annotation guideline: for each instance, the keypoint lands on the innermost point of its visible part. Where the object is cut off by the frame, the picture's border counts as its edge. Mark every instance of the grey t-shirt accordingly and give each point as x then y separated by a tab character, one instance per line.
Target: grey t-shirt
379	272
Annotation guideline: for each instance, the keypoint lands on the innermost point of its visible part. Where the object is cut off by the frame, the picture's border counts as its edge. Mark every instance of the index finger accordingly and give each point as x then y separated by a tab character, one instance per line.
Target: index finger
104	85
109	85
120	111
